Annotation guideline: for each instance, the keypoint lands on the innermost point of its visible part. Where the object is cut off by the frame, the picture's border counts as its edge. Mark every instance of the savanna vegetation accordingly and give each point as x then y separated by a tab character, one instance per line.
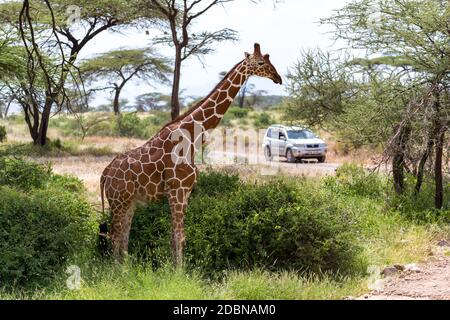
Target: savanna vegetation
248	236
313	239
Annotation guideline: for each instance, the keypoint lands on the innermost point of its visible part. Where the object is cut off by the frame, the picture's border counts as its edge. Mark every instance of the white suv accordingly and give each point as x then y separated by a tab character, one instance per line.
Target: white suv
294	143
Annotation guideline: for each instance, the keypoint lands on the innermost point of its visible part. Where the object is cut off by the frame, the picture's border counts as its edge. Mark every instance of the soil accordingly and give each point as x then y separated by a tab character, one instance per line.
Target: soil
430	282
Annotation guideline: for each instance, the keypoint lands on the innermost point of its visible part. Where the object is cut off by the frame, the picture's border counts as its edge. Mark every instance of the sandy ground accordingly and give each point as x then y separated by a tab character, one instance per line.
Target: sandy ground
430	282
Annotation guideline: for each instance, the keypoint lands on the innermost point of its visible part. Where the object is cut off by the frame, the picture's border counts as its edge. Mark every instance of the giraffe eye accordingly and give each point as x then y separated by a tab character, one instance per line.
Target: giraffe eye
261	63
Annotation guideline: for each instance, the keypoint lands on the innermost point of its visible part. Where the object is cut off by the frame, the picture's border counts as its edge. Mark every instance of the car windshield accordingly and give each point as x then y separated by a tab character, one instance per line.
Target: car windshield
301	134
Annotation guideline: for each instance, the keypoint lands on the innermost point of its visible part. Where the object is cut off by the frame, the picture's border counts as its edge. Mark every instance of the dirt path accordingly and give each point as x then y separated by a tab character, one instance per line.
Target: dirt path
431	281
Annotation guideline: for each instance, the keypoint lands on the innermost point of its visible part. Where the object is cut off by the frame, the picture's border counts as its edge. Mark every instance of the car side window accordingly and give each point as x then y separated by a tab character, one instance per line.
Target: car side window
269	133
275	133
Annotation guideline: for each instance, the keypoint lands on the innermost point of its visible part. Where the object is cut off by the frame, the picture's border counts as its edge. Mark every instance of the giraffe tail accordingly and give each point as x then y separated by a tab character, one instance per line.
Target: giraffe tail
103	227
102	193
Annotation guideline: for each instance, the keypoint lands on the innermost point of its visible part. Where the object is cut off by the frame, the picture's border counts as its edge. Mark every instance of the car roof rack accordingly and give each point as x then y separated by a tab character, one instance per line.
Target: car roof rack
288	127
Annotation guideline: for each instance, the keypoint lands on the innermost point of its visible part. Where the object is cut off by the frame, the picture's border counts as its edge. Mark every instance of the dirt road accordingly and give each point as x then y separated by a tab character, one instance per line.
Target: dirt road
430	281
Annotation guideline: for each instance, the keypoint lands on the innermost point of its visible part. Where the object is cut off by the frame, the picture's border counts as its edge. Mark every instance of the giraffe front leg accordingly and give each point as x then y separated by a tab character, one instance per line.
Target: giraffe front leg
178	202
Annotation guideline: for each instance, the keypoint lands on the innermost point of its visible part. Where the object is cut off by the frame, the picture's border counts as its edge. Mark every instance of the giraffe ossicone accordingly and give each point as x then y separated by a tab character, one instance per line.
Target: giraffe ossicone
165	165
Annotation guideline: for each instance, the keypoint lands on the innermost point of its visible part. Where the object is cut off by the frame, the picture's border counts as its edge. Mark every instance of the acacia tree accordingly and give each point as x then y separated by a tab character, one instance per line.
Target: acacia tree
118	67
10	65
52	35
180	15
413	37
152	101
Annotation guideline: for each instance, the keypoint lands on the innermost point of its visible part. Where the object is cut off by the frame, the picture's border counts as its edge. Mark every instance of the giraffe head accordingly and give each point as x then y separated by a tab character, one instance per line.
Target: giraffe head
260	65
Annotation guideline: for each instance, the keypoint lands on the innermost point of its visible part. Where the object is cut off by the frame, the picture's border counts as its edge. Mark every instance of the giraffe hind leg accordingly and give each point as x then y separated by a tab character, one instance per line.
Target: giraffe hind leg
103	240
178	203
120	230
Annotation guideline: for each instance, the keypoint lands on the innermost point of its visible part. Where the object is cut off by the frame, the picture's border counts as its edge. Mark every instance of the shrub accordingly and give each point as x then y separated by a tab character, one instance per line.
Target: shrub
18	173
263	120
45	219
352	179
2	133
420	208
226	120
238	112
104	129
234	224
129	125
39	232
67	183
157	118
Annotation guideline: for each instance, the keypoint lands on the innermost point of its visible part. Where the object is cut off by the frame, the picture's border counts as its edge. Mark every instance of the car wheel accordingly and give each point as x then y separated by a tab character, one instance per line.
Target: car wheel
322	159
290	156
268	154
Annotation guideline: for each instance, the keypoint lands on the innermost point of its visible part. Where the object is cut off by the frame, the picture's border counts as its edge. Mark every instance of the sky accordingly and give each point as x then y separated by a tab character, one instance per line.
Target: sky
283	31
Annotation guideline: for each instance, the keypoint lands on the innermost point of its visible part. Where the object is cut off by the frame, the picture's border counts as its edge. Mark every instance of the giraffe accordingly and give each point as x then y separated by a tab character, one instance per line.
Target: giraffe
164	166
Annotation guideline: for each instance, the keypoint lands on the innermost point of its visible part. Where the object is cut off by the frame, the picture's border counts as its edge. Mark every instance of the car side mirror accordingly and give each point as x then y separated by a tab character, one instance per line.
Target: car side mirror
282	137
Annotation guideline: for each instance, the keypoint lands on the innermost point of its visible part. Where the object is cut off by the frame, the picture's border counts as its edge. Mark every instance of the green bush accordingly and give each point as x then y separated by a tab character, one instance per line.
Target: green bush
18	173
156	118
238	112
67	183
263	120
45	219
126	124
420	208
129	125
104	129
2	133
231	224
352	179
39	232
226	120
69	126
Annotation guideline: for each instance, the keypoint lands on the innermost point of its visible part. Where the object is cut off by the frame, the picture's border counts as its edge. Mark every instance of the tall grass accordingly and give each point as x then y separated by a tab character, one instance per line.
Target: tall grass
140	282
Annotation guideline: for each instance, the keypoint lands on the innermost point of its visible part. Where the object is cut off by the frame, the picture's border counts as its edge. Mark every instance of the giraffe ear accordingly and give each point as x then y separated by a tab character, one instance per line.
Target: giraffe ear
247	55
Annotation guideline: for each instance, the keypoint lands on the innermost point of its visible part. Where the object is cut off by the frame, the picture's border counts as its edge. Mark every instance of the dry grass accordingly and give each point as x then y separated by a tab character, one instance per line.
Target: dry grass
88	167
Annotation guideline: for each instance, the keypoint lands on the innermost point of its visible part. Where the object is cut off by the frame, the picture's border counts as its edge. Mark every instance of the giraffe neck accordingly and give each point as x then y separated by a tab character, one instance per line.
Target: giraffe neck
212	109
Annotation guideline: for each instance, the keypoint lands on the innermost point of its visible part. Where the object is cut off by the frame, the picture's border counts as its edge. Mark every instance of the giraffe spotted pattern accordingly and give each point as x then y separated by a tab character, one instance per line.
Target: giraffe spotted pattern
164	166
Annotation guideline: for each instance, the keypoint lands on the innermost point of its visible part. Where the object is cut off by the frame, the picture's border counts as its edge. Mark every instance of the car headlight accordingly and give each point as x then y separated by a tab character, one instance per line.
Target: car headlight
300	145
323	145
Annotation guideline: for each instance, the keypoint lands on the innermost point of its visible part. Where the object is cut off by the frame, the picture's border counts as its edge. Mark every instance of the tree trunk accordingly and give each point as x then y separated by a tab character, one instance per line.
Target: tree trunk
45	118
423	160
438	175
5	113
398	160
32	123
242	96
116	102
175	99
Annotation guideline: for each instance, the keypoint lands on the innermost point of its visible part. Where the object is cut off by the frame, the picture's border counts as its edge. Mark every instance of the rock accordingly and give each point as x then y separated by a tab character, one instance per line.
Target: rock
399	267
444	243
389	271
412	268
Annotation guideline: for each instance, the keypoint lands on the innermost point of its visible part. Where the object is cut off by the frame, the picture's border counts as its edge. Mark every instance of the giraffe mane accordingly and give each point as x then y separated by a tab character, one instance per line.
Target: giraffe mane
193	108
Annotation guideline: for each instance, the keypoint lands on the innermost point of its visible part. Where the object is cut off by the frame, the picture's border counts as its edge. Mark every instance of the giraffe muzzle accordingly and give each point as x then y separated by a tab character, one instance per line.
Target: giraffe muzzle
278	80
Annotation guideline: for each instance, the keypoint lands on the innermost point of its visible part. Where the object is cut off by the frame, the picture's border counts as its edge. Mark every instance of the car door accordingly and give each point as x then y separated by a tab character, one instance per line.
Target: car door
273	138
282	137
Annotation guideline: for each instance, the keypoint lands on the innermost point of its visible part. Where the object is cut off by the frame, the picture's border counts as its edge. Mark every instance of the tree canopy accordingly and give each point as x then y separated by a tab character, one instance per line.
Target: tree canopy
120	66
